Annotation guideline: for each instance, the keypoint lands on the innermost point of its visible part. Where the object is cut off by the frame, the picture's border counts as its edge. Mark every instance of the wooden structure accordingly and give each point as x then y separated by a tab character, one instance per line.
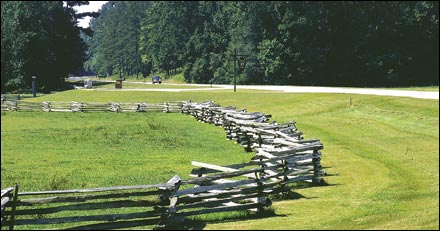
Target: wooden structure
277	144
171	106
282	157
96	208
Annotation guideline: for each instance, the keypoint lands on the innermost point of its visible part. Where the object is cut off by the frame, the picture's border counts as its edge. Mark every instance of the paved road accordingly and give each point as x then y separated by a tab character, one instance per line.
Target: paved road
293	89
364	91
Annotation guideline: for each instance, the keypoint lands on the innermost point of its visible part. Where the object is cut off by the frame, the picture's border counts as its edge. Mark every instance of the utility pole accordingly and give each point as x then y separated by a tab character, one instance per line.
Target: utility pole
242	65
34	86
120	68
235	70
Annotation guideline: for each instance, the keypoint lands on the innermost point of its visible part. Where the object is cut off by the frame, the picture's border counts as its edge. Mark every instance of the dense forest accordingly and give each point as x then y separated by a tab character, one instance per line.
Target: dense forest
338	43
304	43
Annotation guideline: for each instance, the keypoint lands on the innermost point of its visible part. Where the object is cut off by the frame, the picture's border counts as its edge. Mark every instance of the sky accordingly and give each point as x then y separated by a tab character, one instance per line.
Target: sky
92	7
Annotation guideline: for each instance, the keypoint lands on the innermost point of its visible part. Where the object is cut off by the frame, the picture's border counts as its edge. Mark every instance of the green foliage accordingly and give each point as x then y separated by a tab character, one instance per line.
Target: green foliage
306	43
115	43
298	42
39	38
164	33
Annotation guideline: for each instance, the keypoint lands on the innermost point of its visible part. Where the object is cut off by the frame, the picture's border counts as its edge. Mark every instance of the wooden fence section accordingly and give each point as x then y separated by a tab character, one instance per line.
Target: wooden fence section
7	196
133	206
97	208
170	106
226	189
146	205
282	157
276	144
10	97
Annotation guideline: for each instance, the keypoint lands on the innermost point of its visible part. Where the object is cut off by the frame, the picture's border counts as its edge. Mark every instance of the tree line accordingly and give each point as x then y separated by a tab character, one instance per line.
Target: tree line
340	43
337	43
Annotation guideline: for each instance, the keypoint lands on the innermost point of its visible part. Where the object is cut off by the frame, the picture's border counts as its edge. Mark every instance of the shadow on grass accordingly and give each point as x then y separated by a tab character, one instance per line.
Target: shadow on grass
290	194
328	174
200	223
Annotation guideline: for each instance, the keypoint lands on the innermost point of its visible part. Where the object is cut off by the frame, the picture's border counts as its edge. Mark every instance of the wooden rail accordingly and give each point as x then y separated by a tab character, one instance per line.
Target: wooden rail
271	141
128	204
123	206
20	105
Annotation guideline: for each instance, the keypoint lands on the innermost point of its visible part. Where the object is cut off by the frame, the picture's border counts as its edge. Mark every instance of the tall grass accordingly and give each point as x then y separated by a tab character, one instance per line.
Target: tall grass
64	150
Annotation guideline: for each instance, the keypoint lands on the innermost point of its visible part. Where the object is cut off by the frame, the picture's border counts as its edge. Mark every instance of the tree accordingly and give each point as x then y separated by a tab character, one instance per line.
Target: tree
115	44
303	43
164	33
39	38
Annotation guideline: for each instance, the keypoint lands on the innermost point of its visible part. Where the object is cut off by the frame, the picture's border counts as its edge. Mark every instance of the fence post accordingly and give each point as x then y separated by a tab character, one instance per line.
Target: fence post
8	105
168	196
262	200
166	107
285	189
260	140
15	106
182	106
14	206
248	139
114	107
46	107
6	200
316	167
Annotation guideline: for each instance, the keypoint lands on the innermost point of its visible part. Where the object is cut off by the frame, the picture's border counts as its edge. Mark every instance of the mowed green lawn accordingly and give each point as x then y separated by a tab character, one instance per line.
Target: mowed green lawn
381	153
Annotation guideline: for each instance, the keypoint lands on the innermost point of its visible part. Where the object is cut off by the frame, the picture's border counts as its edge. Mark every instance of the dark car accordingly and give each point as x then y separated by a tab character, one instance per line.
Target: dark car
157	79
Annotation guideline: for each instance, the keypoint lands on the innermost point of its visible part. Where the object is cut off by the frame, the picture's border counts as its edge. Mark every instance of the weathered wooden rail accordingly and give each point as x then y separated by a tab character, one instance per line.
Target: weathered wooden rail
19	105
111	207
282	157
211	189
279	144
133	206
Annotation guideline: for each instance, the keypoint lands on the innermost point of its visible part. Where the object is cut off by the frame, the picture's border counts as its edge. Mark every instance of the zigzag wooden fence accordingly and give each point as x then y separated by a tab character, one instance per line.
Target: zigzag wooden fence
273	143
130	206
282	157
171	106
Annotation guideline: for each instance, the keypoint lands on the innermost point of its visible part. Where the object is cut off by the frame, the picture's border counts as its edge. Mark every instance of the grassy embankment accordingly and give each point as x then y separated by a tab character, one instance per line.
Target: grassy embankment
382	153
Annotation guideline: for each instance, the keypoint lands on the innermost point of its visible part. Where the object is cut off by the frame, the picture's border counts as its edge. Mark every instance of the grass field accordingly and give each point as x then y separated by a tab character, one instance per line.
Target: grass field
381	153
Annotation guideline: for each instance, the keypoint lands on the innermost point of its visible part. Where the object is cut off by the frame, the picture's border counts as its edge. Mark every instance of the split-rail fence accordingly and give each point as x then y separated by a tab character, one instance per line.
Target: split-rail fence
282	157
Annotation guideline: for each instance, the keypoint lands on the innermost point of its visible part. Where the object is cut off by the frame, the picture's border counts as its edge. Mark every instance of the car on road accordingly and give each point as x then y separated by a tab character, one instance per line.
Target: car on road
156	79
